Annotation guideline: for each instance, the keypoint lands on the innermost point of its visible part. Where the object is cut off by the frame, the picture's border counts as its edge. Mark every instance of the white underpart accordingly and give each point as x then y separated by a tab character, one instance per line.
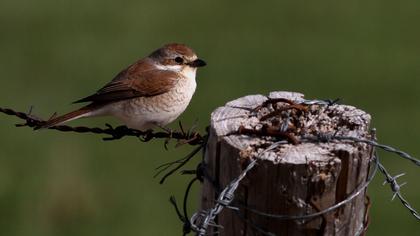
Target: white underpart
148	112
176	68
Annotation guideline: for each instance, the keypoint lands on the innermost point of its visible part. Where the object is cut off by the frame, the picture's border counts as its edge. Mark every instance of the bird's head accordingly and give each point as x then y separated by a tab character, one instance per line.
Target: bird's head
177	57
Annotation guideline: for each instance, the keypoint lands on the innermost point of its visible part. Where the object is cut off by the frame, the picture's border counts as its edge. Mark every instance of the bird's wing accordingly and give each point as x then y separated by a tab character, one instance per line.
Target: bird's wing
131	83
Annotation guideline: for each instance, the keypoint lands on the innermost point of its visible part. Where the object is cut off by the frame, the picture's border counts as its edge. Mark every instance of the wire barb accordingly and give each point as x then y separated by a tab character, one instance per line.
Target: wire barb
202	220
395	188
225	199
191	137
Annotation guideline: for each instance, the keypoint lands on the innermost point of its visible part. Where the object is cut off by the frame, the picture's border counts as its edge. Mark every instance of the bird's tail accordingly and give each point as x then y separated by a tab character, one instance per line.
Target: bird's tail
82	112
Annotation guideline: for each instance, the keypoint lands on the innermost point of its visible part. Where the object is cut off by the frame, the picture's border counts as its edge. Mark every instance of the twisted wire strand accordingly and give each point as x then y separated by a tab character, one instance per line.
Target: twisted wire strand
201	221
349	198
191	138
225	198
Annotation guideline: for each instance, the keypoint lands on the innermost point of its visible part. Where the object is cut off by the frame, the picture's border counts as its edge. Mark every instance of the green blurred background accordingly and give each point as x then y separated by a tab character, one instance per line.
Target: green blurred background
53	52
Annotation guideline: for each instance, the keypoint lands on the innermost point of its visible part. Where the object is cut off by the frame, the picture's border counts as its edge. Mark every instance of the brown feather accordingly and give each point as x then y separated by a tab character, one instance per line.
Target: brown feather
138	80
66	117
141	79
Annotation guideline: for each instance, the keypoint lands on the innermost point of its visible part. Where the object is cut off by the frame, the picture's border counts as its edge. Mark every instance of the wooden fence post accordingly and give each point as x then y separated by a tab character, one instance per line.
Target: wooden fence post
292	179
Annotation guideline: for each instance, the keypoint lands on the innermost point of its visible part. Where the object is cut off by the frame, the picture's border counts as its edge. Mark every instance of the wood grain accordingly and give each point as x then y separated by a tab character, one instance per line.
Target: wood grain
292	179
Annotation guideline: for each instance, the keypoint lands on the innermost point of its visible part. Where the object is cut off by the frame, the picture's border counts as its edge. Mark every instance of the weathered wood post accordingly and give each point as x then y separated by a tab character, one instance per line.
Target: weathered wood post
292	179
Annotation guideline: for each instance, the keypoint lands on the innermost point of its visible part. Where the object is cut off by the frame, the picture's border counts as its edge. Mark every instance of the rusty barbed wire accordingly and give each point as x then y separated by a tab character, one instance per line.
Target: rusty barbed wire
202	220
183	137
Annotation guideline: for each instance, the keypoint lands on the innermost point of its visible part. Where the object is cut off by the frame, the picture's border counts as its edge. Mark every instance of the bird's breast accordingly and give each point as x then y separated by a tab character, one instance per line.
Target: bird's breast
173	101
144	112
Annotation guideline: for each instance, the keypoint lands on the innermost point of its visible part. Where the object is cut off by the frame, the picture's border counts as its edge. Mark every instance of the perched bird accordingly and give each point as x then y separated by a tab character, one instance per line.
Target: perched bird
152	92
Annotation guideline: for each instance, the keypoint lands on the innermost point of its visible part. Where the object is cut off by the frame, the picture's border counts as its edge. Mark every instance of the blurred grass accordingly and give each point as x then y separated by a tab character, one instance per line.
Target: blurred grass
54	52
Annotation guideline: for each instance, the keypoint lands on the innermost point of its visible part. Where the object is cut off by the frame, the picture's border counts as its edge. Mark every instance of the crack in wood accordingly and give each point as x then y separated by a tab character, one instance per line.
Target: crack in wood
292	179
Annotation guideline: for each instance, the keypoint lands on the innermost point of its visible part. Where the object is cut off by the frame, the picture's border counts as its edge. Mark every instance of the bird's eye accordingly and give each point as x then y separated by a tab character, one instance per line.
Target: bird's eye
179	60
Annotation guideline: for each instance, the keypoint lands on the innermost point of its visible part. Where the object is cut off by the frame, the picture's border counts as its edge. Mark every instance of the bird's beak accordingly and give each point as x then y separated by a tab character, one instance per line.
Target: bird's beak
197	63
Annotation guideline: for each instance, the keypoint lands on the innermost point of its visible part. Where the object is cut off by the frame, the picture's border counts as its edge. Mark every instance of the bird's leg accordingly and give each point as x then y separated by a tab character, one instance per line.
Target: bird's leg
118	132
146	135
169	131
188	136
181	127
188	132
166	129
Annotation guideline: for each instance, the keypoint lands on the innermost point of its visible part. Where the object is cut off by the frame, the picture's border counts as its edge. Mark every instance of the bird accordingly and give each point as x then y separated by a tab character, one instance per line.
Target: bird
150	93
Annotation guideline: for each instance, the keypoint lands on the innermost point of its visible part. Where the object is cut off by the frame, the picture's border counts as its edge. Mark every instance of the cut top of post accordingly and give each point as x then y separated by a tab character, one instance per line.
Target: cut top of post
255	114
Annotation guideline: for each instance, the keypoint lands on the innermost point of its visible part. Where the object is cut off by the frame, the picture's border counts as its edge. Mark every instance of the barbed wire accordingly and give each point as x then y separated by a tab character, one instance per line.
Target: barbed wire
395	188
201	220
225	198
180	162
328	137
348	199
183	137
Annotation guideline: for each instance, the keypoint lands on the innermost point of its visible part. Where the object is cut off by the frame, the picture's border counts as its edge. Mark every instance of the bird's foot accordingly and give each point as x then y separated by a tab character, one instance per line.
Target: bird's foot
169	134
117	132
